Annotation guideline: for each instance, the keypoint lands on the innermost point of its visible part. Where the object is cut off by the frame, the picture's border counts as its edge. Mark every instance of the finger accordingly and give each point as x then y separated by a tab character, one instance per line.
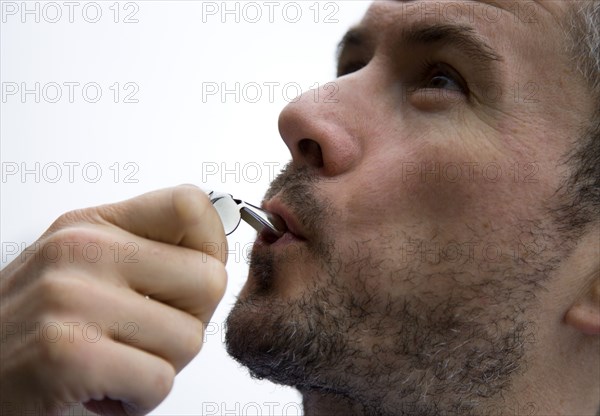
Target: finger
160	330
187	279
181	216
122	373
106	407
142	323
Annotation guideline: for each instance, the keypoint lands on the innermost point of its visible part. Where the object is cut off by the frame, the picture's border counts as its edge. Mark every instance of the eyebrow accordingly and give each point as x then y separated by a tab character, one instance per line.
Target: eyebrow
463	38
353	37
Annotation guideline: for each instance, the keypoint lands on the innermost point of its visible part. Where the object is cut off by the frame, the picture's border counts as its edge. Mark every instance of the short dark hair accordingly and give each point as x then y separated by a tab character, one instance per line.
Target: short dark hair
581	203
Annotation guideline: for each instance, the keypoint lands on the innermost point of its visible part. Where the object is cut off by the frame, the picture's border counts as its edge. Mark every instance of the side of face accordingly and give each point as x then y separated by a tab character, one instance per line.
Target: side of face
423	200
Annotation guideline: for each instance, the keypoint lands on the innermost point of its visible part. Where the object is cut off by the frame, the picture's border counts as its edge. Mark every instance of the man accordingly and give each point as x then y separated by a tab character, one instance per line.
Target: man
442	254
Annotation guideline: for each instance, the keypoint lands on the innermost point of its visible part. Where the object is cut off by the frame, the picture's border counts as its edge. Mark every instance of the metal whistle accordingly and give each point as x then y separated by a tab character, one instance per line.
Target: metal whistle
232	211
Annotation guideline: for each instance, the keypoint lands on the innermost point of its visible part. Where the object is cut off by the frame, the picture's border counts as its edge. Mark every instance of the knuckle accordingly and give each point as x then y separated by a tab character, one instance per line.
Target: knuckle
51	286
220	281
66	237
58	351
71	235
55	291
209	287
72	217
189	203
73	244
222	253
215	280
193	341
214	250
162	382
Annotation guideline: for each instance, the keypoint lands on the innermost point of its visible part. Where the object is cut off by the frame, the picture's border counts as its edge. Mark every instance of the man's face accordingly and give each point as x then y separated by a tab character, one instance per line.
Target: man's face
419	200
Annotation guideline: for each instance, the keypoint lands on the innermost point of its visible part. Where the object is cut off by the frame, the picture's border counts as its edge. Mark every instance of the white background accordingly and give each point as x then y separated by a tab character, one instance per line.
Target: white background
82	154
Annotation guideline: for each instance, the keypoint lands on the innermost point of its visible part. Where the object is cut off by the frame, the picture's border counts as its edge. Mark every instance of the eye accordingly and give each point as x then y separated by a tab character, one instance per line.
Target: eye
442	76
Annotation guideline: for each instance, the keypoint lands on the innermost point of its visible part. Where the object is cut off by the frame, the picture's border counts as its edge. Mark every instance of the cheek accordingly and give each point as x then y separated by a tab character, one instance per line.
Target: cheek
445	183
429	186
434	188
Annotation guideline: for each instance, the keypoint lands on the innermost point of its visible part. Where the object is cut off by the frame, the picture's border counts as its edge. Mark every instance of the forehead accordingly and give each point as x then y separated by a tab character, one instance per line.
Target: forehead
533	14
522	30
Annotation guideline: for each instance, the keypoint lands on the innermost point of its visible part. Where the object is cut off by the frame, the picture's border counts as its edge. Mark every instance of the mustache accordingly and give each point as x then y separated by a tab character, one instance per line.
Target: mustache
292	178
298	188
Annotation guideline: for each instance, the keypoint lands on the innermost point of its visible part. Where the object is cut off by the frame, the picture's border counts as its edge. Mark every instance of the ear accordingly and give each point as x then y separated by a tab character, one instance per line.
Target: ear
584	314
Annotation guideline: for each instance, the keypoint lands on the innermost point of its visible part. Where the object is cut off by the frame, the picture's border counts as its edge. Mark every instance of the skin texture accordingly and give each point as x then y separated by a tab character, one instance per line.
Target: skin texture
430	273
125	364
405	286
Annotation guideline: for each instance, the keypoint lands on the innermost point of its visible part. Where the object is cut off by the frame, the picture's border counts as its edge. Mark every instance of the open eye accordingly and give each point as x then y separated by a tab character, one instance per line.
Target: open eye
443	81
442	76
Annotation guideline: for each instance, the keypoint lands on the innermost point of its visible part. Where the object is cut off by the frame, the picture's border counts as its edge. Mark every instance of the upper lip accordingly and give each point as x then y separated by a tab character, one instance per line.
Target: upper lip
275	206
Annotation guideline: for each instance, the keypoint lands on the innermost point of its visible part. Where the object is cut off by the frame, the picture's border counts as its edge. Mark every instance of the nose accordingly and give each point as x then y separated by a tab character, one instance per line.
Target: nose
319	129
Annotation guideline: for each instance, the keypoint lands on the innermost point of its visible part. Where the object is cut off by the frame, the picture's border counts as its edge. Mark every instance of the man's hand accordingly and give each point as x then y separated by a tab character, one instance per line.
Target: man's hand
129	318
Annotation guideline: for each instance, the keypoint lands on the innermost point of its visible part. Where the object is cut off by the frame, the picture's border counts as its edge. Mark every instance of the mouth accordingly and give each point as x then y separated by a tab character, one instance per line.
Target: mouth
293	228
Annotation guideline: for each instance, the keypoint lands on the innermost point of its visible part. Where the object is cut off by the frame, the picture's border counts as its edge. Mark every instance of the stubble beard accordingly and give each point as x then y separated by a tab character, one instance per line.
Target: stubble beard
419	353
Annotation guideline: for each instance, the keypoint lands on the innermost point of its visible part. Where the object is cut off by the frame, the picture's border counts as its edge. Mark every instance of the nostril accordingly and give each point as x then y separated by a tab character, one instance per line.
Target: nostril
311	151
